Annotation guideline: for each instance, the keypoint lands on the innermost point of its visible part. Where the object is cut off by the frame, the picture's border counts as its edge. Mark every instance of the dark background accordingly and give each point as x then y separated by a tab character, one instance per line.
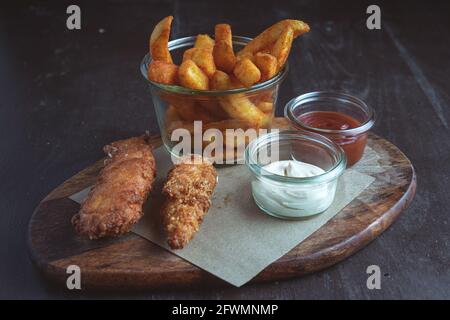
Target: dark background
64	94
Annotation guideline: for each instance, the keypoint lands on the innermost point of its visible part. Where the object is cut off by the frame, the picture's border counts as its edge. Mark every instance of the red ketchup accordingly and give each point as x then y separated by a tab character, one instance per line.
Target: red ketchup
352	144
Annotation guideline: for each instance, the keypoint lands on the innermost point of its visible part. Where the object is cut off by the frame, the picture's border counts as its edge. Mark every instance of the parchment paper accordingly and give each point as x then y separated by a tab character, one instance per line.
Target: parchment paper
236	240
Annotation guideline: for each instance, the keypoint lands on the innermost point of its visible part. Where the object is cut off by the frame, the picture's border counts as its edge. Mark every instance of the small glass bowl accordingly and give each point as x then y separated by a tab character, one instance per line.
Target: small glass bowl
294	197
352	140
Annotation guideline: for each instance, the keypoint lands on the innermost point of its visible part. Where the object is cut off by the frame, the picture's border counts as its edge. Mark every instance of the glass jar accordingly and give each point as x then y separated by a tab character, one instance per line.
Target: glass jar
288	196
322	112
182	108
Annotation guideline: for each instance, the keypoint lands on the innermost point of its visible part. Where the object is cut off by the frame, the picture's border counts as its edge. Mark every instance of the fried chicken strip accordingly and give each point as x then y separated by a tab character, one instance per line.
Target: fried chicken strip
114	204
188	192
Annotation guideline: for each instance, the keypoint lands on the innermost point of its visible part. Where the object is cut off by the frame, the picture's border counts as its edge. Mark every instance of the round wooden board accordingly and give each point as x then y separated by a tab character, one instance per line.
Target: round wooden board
131	262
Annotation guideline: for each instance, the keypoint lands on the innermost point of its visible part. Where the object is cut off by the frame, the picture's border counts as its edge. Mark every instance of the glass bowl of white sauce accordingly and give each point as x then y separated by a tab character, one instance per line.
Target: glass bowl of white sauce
294	174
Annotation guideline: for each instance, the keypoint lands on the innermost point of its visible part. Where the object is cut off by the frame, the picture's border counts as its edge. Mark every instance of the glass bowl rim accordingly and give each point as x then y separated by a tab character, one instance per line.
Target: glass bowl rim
331	174
342	97
182	42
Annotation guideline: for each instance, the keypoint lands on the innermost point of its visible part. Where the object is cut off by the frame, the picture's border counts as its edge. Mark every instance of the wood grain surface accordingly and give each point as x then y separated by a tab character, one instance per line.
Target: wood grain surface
65	94
131	262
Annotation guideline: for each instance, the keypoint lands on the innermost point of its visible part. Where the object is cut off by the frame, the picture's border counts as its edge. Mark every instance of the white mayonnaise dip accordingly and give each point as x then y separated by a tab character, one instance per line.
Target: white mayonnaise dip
293	199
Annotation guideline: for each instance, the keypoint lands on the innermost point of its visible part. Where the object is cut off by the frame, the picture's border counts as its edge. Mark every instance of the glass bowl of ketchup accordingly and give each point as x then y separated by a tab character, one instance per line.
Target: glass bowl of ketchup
340	117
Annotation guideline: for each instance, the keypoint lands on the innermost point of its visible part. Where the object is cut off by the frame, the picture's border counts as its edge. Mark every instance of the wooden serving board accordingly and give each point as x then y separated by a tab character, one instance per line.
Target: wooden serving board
135	263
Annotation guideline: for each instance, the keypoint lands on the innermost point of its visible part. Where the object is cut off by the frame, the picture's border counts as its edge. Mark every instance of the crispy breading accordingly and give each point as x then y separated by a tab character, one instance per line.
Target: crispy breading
188	192
115	202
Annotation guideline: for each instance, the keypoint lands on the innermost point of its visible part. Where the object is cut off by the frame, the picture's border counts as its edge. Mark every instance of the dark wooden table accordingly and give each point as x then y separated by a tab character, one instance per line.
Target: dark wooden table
64	94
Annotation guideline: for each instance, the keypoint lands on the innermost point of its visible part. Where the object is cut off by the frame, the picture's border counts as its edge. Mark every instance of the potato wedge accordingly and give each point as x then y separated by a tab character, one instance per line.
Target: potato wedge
267	64
187	54
271	34
220	81
186	110
282	46
231	140
163	72
299	27
265	106
223	33
191	76
172	114
239	107
159	40
203	58
213	108
203	41
247	72
184	107
267	96
246	55
235	83
172	118
236	138
224	57
189	111
174	121
203	115
180	125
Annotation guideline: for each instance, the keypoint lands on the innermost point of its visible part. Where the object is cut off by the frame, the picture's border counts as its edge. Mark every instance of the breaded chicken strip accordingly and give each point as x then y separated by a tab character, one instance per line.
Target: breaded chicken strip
115	202
188	192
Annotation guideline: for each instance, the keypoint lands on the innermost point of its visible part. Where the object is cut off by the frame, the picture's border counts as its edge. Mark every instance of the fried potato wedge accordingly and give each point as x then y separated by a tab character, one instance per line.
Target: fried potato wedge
203	41
172	118
299	27
172	114
188	111
239	107
187	54
247	72
224	57
271	34
220	81
246	55
163	72
222	32
180	124
223	49
267	96
234	139
204	59
267	64
282	46
183	107
191	76
159	40
265	106
238	137
213	108
203	115
235	83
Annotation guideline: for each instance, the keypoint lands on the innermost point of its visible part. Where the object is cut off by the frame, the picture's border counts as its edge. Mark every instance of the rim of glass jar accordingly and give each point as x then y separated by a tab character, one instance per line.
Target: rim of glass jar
189	41
332	173
340	96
